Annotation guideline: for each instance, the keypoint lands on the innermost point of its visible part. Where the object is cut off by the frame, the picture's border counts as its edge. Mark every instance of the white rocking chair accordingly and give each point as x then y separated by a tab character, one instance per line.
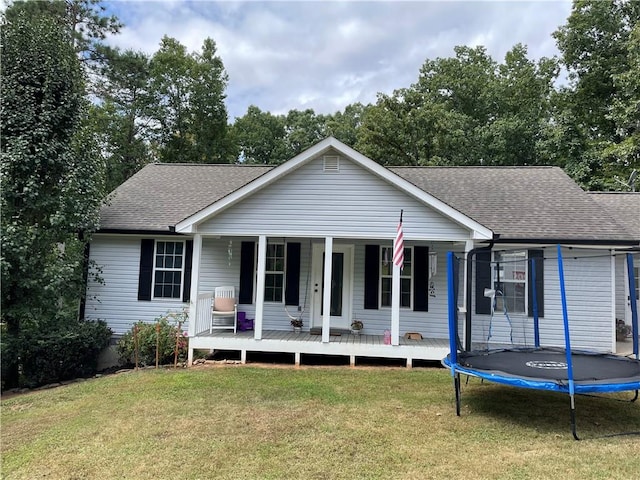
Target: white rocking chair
224	310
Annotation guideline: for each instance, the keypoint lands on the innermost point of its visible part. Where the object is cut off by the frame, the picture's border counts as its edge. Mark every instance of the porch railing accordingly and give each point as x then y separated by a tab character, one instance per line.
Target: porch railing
203	312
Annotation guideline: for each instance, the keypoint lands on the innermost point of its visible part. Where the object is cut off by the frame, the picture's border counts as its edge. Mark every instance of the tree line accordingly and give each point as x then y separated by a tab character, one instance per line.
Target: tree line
79	118
579	111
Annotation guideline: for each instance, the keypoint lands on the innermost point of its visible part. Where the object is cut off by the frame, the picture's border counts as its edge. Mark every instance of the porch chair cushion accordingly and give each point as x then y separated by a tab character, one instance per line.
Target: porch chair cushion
224	304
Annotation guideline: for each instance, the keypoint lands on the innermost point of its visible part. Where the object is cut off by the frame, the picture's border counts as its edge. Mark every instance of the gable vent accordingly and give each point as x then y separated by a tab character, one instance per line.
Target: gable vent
331	163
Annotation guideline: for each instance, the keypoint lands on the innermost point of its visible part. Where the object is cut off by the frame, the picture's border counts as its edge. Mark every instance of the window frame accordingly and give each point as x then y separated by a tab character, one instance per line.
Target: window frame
165	269
382	276
283	273
497	281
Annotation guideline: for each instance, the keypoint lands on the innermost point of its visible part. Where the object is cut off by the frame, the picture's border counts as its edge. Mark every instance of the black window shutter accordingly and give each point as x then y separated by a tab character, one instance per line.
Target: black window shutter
146	269
371	276
538	255
483	280
292	275
188	260
421	279
247	267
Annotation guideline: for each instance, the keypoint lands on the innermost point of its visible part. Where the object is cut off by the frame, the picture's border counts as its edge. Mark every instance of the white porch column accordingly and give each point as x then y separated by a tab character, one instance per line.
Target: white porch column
262	264
395	306
326	288
195	285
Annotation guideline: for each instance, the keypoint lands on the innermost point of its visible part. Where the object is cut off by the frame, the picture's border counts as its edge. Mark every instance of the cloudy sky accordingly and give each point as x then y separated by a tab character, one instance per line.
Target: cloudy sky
325	55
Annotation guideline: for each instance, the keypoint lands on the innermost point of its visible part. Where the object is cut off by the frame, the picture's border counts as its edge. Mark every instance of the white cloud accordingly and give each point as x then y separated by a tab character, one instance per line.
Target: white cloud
325	55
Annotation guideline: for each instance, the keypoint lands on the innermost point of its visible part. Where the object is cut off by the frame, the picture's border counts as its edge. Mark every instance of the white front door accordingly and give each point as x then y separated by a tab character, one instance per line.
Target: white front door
341	285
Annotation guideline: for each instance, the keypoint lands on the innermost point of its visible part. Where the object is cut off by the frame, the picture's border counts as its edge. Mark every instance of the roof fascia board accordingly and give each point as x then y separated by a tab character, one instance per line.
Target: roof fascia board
125	231
189	224
568	242
337	236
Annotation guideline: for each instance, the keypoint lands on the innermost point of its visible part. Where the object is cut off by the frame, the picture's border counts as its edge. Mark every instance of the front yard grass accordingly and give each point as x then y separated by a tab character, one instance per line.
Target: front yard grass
243	422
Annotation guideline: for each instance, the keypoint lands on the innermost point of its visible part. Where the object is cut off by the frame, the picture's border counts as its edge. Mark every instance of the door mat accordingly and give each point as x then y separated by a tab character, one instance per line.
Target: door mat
332	331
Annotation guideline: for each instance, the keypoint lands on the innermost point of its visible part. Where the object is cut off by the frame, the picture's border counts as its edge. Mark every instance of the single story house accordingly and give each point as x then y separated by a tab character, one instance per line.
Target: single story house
174	232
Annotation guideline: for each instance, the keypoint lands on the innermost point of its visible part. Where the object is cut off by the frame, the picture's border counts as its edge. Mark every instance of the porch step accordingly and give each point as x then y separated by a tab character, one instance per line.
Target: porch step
332	331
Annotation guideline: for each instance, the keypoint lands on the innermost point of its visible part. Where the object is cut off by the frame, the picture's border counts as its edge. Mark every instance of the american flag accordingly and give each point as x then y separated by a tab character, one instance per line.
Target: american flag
398	246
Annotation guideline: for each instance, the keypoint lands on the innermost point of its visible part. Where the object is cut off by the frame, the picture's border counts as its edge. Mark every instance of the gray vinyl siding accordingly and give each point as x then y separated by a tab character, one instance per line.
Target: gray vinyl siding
589	296
115	300
352	203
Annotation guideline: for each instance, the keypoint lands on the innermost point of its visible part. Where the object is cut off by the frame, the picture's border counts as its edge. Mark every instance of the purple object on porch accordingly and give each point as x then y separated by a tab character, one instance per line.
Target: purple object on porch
244	323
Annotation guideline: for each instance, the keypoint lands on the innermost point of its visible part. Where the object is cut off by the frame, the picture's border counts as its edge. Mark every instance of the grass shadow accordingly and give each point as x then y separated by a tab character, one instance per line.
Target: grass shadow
549	412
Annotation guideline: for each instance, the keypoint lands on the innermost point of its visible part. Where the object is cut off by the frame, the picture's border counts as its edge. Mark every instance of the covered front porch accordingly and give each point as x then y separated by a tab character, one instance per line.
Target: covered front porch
345	344
360	283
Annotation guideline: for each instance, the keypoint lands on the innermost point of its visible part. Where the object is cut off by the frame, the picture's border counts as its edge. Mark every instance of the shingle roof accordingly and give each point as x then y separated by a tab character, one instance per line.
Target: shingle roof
519	202
162	194
625	206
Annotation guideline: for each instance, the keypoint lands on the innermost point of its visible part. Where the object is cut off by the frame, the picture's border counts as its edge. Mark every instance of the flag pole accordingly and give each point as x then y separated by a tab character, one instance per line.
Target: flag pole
398	261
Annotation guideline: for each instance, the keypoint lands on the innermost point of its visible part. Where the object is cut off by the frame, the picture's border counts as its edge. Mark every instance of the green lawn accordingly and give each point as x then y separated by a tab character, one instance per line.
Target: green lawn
239	422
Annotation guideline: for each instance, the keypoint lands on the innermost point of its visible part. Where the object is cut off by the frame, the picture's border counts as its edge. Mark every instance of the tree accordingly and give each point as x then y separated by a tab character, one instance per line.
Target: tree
85	21
212	145
190	115
260	137
406	129
516	133
626	115
345	125
51	178
466	110
122	119
302	130
596	43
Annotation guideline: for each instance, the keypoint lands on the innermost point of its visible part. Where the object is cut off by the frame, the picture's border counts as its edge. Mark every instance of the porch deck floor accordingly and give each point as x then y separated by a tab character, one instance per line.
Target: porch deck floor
286	341
290	336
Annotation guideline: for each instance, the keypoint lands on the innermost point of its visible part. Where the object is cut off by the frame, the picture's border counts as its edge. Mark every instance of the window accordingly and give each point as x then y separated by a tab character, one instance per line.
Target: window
274	275
168	269
386	274
510	281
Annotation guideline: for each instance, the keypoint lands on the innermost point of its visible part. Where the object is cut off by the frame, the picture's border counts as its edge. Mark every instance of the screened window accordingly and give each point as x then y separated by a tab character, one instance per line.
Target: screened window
386	274
168	270
274	278
510	281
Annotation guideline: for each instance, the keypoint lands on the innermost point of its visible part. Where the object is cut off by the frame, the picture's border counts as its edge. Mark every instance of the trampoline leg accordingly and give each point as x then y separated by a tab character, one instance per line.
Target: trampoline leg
573	418
456	385
635	397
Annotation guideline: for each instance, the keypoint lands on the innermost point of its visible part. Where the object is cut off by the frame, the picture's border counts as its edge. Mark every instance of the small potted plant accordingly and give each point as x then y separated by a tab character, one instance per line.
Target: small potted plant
356	327
296	323
622	330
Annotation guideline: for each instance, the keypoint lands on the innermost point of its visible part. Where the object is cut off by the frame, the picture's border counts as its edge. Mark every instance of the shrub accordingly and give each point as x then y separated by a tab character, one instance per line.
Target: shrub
147	335
61	353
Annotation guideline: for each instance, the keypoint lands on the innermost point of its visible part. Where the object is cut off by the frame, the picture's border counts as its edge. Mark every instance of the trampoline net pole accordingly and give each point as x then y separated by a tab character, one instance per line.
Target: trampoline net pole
565	318
573	418
634	304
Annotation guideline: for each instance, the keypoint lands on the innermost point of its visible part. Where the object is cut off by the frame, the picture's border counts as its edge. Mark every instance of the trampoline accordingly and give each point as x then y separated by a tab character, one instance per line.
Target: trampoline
556	369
